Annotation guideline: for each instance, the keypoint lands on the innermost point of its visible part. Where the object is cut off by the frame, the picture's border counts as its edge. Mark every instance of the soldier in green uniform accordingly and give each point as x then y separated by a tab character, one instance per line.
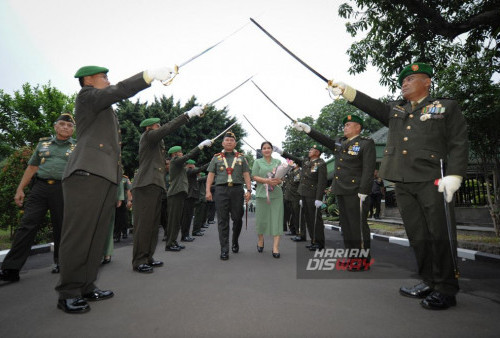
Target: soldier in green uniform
422	131
288	228
352	182
121	219
90	181
45	168
164	200
313	182
228	170
178	191
200	208
148	186
192	197
292	195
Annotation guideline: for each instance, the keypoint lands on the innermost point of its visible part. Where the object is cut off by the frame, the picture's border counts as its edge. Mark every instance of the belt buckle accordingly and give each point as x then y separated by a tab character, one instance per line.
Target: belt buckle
51	182
229	184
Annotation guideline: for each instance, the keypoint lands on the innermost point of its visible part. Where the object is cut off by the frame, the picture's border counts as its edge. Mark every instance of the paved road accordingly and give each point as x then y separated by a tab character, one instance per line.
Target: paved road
251	295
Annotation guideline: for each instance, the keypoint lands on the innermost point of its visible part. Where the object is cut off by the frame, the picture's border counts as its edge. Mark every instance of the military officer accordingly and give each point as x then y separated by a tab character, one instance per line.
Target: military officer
352	182
423	131
148	186
45	168
121	219
229	171
287	209
178	191
164	200
200	210
313	181
292	196
90	182
192	197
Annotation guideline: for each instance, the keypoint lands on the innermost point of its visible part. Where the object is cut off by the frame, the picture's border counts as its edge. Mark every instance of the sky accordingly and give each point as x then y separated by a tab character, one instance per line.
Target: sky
42	41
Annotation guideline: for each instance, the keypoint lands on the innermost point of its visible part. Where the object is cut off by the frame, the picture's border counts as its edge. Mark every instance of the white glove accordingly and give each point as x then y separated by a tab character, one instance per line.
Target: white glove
278	150
318	203
161	74
300	202
362	197
206	143
448	185
302	127
195	111
336	88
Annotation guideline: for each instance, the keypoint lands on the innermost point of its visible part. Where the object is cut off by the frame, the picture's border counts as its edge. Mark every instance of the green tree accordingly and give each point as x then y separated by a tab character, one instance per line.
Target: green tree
296	142
403	31
29	114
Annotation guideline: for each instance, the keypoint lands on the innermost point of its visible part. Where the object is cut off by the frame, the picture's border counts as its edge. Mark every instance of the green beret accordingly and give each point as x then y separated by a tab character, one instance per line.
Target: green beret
415	68
353	118
318	147
203	174
149	122
174	149
90	70
66	117
190	162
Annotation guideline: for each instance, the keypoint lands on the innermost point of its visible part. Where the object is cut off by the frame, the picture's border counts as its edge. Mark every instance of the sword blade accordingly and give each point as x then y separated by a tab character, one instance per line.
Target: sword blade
242	140
232	90
216	137
289	52
270	100
211	47
265	139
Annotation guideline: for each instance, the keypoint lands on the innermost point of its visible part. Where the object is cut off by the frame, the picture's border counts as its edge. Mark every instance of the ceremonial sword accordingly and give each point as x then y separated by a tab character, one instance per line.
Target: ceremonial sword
292	54
265	139
248	145
229	92
177	67
448	224
361	222
270	100
216	137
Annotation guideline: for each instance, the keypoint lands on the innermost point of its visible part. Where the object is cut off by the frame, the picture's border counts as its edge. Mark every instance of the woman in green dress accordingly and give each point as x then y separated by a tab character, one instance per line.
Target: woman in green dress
269	199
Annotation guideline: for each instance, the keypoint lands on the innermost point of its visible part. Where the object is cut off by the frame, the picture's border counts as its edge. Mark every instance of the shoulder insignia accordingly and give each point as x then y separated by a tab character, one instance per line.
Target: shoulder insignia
45	138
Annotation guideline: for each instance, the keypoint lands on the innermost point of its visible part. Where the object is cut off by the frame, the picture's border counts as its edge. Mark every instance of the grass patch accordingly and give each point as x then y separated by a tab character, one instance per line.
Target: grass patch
385	227
492	240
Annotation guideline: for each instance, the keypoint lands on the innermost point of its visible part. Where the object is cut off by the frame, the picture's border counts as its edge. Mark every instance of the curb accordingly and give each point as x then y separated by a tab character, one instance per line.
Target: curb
462	253
35	249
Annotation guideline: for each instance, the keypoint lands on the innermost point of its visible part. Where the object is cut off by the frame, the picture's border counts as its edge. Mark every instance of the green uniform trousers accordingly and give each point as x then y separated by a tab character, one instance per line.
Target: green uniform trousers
349	216
175	206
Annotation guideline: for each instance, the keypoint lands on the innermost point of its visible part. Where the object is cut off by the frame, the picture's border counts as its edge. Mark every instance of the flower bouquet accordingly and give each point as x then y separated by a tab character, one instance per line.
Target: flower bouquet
279	172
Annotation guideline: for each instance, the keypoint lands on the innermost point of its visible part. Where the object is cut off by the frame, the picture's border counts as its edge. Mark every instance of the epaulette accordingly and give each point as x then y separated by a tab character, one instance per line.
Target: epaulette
365	138
45	138
218	154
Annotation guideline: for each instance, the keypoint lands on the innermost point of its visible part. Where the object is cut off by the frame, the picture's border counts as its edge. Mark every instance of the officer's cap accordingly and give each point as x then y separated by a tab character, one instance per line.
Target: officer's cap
174	149
149	122
317	147
353	118
415	68
90	70
66	117
190	162
230	134
202	174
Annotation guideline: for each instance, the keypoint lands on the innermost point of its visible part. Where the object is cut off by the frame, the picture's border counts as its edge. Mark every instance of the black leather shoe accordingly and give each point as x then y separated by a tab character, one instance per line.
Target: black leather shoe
116	239
179	245
310	245
98	294
55	269
316	247
156	264
290	233
73	305
276	254
204	226
198	233
106	260
438	301
144	268
420	290
187	239
235	247
211	222
224	255
174	248
298	239
9	275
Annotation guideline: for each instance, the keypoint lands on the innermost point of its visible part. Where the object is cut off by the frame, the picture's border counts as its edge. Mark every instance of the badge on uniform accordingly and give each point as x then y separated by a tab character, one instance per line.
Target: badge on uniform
432	111
354	149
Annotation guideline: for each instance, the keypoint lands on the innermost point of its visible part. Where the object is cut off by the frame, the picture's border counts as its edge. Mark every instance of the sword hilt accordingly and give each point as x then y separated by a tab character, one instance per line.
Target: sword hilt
169	81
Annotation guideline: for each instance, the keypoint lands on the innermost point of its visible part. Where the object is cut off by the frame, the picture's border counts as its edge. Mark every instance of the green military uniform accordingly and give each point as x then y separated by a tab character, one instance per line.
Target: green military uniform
50	156
122	219
313	182
89	184
354	167
412	156
200	213
229	194
297	221
192	197
148	187
177	194
287	207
